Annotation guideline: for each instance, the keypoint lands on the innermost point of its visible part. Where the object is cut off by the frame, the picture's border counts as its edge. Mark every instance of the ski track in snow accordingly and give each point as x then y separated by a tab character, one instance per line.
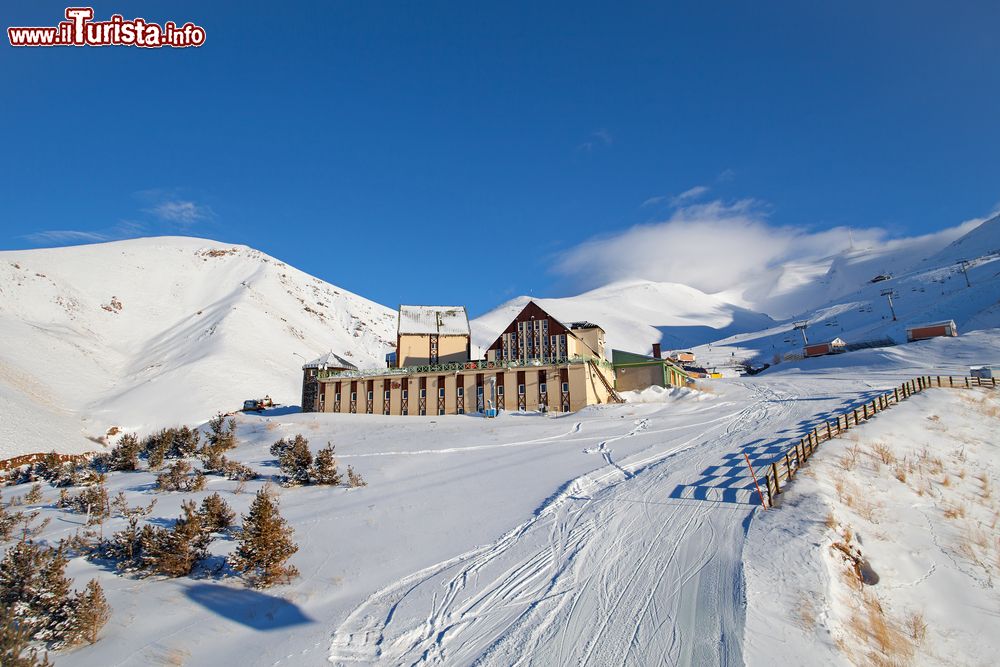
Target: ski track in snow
616	567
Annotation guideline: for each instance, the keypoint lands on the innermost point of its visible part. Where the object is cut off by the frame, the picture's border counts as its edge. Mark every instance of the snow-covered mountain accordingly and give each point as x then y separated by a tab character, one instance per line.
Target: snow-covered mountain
145	333
636	314
925	289
801	285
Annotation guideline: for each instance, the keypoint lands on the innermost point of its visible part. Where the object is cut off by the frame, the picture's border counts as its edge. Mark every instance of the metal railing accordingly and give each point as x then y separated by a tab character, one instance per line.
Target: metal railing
455	366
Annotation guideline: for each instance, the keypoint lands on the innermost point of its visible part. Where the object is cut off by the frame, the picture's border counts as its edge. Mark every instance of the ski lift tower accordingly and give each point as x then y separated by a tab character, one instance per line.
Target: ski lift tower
889	293
801	326
964	265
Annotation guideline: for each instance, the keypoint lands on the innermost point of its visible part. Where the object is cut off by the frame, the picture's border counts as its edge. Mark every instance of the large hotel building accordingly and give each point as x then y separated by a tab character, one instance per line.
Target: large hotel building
536	364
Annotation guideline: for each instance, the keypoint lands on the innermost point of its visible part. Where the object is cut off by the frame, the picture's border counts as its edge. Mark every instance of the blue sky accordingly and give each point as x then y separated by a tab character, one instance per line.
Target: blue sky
353	139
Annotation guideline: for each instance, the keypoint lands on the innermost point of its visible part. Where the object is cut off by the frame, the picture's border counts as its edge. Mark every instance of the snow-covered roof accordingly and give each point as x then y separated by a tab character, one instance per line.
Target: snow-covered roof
331	360
933	324
440	320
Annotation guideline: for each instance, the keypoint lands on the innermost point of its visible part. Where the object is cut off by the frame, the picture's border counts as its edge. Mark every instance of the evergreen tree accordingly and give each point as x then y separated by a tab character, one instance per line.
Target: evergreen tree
19	582
52	603
15	643
216	514
325	467
125	455
221	433
92	612
174	552
265	543
296	460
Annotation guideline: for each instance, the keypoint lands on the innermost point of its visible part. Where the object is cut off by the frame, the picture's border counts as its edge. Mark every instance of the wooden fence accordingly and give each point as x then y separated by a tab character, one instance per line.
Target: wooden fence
782	470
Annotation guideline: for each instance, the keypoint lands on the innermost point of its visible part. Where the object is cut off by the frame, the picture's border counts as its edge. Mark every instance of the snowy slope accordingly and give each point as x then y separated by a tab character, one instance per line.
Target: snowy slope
610	536
805	284
636	314
144	333
934	289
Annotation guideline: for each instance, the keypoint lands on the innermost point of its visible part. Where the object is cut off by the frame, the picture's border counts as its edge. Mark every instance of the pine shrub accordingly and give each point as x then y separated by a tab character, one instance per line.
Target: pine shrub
93	612
34	495
296	460
324	469
265	544
35	594
175	551
237	471
124	548
178	477
15	643
354	478
221	433
92	501
217	516
125	455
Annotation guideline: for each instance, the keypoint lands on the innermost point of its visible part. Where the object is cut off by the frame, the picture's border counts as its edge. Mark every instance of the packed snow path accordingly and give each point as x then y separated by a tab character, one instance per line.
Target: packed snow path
638	562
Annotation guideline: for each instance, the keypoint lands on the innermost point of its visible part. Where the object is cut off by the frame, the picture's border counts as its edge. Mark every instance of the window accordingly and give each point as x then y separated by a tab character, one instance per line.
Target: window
354	395
423	393
479	391
461	411
371	395
386	394
336	396
499	390
406	394
565	386
461	392
542	388
440	392
520	389
440	411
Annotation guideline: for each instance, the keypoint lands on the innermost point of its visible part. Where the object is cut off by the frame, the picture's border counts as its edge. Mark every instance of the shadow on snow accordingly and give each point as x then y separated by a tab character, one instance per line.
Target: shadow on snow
248	607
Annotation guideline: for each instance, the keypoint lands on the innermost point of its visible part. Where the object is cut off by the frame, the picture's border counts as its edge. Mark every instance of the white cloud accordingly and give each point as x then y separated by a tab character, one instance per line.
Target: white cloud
689	195
716	246
181	211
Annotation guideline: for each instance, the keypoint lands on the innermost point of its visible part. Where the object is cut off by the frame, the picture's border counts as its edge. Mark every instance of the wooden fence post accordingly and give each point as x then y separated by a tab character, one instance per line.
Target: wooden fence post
829	433
896	393
774	473
966	383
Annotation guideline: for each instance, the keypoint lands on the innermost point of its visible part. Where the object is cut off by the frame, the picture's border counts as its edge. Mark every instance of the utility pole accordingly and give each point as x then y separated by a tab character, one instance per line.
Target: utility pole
888	293
964	264
801	326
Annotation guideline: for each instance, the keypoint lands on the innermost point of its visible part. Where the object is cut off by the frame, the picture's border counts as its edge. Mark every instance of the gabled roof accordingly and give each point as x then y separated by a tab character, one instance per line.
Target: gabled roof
331	360
440	320
532	310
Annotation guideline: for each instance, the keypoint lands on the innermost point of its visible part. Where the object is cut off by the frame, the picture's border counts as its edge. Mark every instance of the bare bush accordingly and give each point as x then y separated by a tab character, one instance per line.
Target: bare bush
883	452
